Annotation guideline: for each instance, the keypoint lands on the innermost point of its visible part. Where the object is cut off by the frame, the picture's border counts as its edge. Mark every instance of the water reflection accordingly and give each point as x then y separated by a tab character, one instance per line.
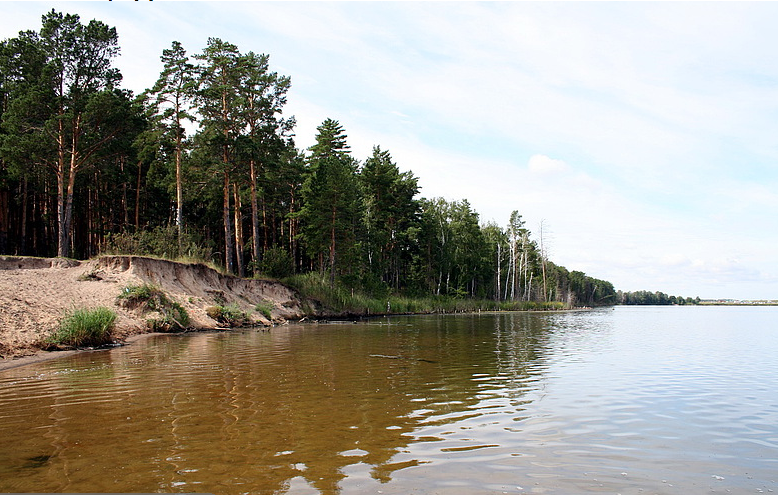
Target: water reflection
262	411
602	401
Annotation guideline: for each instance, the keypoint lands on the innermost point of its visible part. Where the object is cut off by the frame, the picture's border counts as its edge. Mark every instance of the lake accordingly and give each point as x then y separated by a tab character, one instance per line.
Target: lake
630	400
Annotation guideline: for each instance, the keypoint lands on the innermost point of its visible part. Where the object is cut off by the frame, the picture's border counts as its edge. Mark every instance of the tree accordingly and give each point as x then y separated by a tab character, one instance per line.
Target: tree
331	195
471	259
498	245
519	275
263	95
64	121
79	65
24	148
435	233
218	104
170	101
330	140
389	211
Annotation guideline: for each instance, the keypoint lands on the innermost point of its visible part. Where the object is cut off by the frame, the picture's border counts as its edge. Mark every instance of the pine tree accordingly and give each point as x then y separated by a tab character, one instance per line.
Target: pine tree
263	96
389	211
61	104
218	104
170	101
331	198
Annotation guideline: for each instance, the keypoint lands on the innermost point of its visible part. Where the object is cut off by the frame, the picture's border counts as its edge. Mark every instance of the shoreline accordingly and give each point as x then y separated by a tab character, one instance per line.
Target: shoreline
35	293
41	355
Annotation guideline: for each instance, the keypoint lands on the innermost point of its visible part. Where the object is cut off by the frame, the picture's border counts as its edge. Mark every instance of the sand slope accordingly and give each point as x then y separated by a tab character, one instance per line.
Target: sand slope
36	292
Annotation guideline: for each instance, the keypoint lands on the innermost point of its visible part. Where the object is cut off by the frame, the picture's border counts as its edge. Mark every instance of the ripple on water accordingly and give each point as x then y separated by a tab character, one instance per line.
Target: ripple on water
627	401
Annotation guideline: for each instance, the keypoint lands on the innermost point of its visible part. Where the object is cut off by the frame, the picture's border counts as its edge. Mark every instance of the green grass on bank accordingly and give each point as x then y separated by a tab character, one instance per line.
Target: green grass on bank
230	315
343	300
85	327
148	297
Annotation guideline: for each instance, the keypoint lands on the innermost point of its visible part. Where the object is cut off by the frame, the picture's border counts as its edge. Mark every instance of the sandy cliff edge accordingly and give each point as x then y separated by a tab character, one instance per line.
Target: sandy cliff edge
36	292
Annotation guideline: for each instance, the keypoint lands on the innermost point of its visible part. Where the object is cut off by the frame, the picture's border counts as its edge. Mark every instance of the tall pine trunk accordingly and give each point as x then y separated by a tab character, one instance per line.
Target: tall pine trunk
23	247
137	196
179	191
254	215
238	233
228	246
332	247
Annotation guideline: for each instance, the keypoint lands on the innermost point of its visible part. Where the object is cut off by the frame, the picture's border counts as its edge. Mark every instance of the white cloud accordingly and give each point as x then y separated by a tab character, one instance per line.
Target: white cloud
541	164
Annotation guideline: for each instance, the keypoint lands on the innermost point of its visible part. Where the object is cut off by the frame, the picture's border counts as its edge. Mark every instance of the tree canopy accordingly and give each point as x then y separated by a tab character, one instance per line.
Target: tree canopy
203	165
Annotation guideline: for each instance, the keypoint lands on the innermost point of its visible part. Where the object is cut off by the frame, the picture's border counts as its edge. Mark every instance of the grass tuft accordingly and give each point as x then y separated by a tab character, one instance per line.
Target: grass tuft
265	308
85	327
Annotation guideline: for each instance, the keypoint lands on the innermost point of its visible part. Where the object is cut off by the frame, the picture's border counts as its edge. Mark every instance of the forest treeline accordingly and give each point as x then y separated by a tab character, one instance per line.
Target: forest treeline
203	165
646	298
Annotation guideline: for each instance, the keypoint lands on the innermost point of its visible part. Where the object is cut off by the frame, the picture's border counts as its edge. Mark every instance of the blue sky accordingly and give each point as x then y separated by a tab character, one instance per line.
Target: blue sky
644	136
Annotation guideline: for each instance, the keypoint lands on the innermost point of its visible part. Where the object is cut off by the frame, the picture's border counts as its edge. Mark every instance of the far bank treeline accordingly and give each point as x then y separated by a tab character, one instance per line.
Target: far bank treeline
203	166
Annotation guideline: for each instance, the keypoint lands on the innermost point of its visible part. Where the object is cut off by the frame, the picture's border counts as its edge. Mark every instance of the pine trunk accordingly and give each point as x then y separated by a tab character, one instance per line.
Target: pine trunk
228	246
254	215
238	233
179	193
332	248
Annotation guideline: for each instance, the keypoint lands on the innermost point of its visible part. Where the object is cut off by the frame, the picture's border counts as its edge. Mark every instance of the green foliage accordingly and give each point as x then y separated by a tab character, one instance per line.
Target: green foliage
230	315
161	242
453	259
276	263
644	297
342	300
151	298
169	104
265	308
125	167
330	141
85	327
68	106
390	213
331	203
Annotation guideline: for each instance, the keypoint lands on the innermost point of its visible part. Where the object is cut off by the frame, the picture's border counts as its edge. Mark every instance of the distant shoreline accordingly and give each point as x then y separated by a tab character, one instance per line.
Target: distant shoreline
738	302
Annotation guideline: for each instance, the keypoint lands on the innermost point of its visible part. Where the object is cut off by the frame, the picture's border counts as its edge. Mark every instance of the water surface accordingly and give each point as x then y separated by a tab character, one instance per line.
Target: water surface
631	400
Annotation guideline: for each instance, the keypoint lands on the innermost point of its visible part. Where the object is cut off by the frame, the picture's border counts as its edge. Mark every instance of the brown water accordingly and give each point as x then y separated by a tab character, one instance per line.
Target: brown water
636	400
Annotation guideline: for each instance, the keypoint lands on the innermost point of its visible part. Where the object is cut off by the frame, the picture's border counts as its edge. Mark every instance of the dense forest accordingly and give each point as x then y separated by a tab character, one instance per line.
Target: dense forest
203	165
645	298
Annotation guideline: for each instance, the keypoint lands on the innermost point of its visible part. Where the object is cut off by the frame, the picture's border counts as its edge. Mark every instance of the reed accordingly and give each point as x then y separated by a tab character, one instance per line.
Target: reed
346	301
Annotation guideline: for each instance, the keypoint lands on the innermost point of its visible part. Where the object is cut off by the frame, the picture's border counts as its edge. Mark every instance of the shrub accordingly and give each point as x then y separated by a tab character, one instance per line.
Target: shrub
85	327
276	262
146	296
230	315
152	298
162	242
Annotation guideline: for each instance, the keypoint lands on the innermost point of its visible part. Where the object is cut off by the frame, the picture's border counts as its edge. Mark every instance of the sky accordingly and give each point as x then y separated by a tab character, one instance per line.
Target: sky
641	136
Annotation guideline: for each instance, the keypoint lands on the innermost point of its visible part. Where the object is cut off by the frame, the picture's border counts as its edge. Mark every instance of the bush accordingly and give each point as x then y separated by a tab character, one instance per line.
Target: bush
85	327
152	298
276	263
161	242
230	315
